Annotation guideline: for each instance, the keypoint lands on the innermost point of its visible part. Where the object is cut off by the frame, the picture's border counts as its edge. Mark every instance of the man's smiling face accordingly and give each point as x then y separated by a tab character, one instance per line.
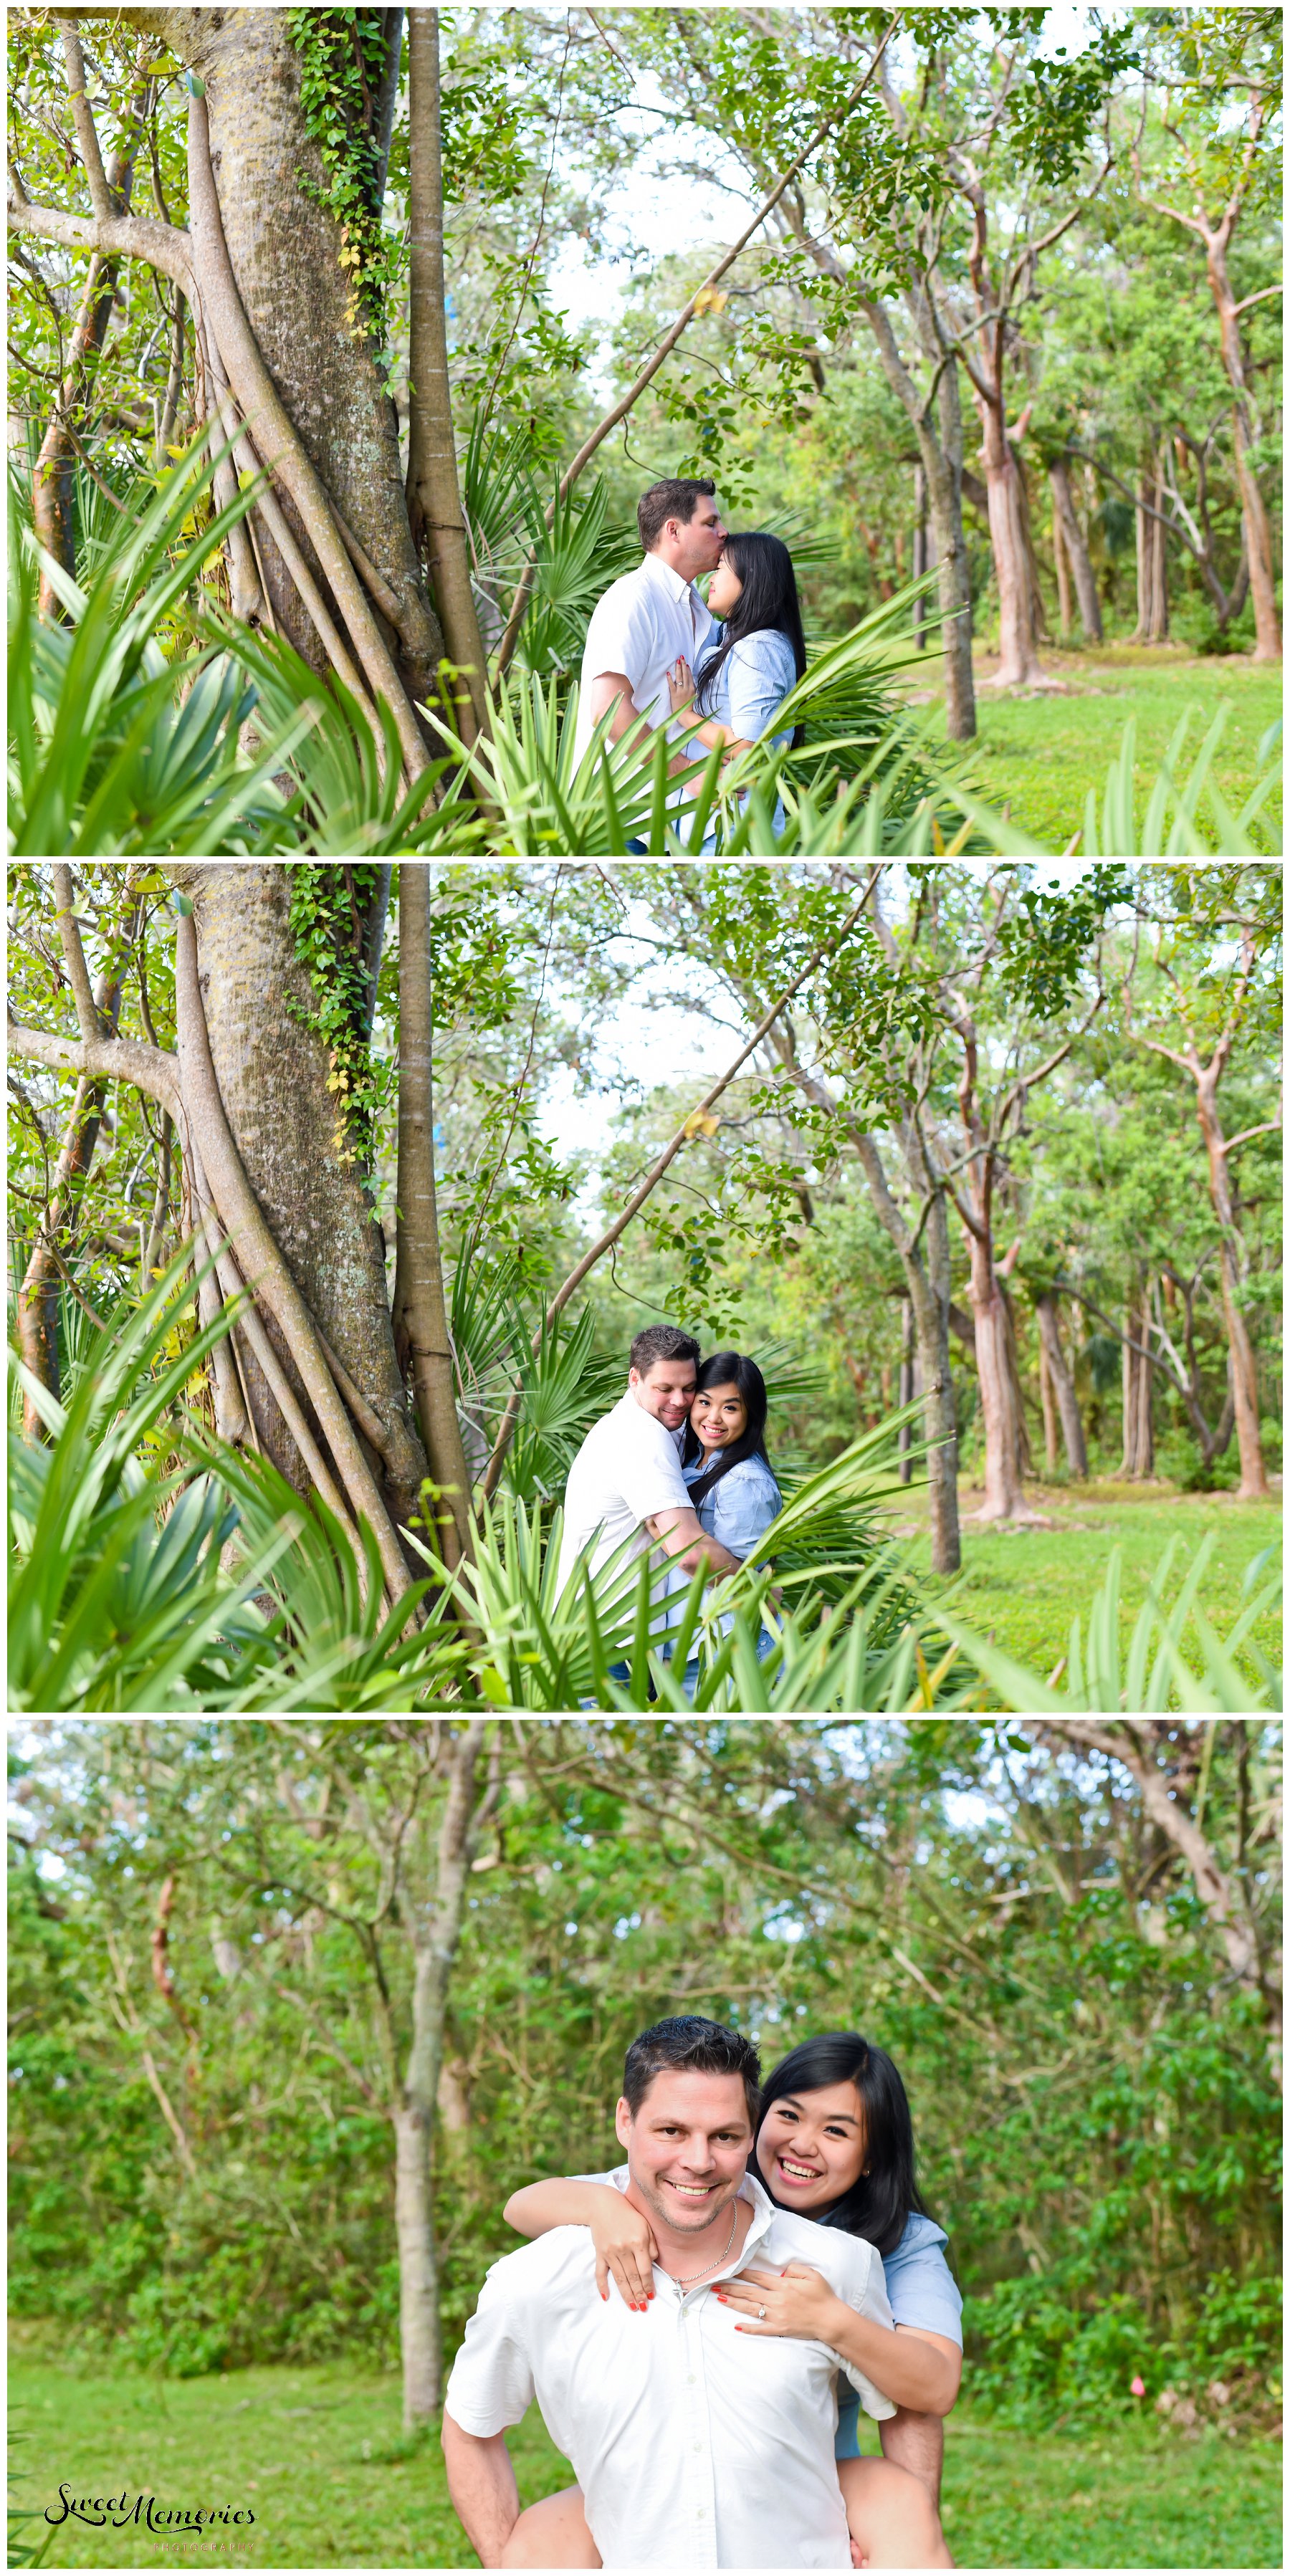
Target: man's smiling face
687	2146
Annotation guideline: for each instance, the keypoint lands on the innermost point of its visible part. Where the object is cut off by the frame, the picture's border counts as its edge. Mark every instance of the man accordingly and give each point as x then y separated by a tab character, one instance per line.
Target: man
694	2446
625	1486
652	617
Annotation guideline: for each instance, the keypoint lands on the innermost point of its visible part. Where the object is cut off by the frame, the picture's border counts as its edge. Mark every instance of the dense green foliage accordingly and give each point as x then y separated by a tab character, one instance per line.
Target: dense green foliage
1096	2120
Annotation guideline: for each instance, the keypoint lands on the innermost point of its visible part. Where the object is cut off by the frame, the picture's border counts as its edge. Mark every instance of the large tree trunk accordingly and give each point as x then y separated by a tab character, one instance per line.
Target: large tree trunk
285	250
1019	663
272	1073
1066	517
1062	1386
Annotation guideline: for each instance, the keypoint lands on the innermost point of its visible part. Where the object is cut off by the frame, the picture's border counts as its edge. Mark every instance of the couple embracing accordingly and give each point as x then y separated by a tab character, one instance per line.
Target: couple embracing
701	2325
655	649
676	1471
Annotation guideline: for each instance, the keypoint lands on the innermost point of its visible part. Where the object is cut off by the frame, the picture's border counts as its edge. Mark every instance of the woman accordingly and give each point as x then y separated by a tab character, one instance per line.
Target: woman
724	1463
835	2143
741	685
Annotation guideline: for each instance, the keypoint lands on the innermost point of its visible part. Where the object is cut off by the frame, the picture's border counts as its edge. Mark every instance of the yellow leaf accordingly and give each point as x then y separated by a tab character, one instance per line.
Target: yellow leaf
711	299
699	1124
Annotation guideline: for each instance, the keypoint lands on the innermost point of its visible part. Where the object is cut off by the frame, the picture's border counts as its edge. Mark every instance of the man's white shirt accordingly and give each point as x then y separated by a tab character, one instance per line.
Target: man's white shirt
694	2446
628	1468
641	626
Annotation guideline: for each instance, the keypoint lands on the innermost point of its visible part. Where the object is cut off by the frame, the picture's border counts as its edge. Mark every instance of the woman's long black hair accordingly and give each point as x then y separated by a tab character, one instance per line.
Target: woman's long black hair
724	1368
881	2198
768	598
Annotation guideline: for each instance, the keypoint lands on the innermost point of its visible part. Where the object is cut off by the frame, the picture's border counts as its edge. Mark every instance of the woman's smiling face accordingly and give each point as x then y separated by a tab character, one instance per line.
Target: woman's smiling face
811	2146
718	1415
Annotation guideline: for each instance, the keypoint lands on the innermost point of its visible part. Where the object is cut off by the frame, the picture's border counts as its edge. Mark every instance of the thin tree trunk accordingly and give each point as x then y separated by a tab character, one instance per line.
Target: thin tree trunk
1066	515
1258	533
1245	1385
434	499
174	383
1062	1386
434	1934
1062	572
904	1439
53	479
420	1307
1153	582
419	2333
1049	1410
38	1294
922	554
1138	1458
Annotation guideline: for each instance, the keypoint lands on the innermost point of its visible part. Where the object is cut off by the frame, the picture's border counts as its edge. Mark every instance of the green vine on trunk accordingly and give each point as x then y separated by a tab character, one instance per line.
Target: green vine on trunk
342	54
327	910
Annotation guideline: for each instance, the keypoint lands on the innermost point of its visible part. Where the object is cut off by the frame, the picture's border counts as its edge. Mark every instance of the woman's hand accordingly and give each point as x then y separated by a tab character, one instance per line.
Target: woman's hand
797	2301
625	2245
680	683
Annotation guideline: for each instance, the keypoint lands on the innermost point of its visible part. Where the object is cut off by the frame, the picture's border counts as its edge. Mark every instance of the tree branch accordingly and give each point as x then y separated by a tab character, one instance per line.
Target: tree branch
150	1069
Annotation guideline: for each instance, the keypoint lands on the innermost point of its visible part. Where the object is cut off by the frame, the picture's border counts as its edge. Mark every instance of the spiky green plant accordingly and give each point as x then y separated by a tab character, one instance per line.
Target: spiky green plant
336	1644
115	750
117	1596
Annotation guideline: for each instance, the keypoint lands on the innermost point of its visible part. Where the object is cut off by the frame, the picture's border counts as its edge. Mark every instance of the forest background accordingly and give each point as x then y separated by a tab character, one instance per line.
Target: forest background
226	2077
983	1165
1011	330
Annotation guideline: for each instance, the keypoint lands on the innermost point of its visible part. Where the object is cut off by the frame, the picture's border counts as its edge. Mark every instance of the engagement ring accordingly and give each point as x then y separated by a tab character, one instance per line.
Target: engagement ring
761	2313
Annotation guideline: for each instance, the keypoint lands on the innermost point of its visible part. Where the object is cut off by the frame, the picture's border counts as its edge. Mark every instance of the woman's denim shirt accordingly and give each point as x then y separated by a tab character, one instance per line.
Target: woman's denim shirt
741	1505
752	684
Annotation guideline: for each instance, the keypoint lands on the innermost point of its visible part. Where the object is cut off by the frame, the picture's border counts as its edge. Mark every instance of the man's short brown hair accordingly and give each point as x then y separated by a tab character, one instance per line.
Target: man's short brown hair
677	498
662	1342
687	2043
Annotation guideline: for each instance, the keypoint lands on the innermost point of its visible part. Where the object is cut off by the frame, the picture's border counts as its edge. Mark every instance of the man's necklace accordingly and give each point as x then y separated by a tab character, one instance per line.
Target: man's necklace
684	2279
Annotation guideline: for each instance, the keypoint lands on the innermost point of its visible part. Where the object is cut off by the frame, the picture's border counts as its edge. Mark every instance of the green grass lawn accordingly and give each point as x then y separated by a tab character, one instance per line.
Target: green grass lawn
318	2455
1028	1584
1039	753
